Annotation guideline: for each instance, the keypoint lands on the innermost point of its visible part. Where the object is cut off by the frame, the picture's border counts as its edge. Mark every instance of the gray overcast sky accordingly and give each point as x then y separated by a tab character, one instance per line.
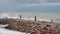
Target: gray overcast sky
30	5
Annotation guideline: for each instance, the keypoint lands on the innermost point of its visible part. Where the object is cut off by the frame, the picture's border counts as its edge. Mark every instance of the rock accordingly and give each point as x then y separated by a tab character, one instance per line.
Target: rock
33	27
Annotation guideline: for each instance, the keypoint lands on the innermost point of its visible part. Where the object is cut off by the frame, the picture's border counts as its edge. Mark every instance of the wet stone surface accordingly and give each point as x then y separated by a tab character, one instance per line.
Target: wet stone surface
33	27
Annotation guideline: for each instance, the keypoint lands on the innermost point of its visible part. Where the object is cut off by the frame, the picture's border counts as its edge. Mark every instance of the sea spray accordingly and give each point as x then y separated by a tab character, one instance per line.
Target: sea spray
26	17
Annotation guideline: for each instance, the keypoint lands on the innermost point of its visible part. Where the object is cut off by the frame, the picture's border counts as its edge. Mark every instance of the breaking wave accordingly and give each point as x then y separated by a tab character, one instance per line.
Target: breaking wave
4	15
16	16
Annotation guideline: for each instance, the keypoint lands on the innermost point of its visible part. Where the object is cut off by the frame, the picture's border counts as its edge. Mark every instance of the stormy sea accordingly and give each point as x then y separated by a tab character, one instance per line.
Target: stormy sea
30	16
26	16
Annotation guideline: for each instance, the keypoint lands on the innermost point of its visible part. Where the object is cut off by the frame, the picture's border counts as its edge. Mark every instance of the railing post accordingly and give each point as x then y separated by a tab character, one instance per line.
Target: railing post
35	18
20	17
51	20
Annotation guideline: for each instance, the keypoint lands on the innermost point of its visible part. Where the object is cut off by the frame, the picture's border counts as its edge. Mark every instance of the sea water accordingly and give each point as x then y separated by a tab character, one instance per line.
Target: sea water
30	16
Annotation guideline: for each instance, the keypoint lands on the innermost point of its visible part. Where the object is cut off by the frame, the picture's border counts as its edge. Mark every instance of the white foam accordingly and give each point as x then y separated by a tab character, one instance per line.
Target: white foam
1	26
4	15
37	19
5	31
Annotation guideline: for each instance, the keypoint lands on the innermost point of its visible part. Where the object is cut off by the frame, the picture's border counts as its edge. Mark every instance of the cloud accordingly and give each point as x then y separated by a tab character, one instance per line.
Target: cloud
31	3
24	1
28	3
15	4
53	1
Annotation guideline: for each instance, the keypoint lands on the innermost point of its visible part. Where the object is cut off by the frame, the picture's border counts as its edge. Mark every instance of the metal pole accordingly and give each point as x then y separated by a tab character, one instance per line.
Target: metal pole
51	20
20	17
35	18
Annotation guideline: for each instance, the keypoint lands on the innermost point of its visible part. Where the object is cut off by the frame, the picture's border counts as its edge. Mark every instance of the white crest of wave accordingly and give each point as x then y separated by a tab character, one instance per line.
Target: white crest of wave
4	15
5	31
